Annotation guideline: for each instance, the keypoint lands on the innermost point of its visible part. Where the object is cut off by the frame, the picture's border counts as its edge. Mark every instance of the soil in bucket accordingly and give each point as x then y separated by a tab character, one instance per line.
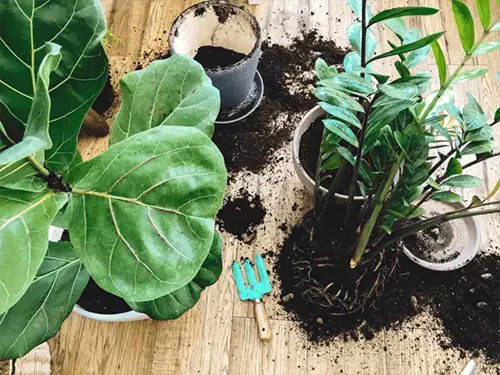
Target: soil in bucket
212	57
97	300
465	301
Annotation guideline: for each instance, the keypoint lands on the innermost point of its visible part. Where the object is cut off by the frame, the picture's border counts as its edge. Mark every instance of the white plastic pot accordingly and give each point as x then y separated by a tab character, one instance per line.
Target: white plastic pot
55	235
465	239
307	181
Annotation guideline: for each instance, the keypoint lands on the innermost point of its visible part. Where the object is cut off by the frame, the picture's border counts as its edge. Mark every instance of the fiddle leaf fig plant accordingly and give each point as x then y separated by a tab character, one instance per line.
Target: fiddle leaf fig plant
394	142
140	216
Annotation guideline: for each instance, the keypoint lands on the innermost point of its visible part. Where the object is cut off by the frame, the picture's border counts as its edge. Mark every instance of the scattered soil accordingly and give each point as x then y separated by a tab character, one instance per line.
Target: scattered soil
467	301
106	98
241	215
287	72
211	57
97	300
223	12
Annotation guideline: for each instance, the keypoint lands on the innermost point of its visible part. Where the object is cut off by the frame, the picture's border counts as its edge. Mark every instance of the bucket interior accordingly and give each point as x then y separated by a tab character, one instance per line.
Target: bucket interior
218	25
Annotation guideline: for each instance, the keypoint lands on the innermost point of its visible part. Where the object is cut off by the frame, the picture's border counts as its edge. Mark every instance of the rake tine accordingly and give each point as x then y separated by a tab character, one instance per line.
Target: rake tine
252	281
238	277
261	268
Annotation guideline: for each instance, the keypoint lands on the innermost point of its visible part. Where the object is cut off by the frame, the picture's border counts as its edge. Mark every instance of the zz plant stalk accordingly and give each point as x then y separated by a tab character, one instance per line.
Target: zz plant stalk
382	134
140	216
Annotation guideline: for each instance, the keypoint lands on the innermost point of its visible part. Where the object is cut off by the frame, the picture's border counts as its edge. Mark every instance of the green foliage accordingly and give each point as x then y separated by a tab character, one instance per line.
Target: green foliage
141	215
391	136
38	315
78	26
168	92
465	24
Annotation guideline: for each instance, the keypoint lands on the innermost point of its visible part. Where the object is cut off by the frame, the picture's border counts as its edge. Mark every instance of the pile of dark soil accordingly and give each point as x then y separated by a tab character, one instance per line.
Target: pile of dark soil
241	215
211	57
287	72
106	98
467	301
97	300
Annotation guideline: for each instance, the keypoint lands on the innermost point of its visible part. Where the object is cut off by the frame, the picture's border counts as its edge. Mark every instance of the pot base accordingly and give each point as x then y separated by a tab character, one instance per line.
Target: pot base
247	107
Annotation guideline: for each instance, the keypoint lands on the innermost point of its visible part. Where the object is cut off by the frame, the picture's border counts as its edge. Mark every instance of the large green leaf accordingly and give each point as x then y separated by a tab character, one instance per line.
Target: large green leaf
178	302
21	175
340	113
323	71
354	83
463	181
454	167
39	314
338	98
36	136
440	61
446	196
143	224
465	24
342	130
78	26
24	226
482	134
175	91
357	8
484	11
478	147
474	117
410	46
402	12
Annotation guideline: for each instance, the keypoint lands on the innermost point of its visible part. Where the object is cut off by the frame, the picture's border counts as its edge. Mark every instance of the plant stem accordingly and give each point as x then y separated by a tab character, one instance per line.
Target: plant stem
44	172
428	223
450	79
370	224
331	190
474	162
355	172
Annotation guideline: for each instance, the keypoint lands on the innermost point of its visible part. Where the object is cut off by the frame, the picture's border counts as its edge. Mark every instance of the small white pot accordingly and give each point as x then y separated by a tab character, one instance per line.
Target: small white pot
465	241
307	181
55	235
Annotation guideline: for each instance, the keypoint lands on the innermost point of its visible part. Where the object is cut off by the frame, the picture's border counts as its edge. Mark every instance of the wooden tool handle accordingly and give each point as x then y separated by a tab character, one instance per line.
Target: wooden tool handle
263	325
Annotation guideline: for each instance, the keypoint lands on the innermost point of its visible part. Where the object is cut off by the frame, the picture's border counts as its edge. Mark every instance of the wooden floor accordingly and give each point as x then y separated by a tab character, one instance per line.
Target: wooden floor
219	336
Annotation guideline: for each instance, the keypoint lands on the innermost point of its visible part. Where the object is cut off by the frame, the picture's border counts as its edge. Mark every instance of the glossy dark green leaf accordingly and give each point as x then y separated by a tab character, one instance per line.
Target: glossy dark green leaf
463	181
78	26
354	36
482	134
175	304
48	301
410	46
323	71
402	12
402	69
440	61
338	98
342	130
446	196
484	11
36	135
473	115
353	82
486	47
442	130
497	115
340	113
346	154
175	91
24	226
476	201
399	91
454	167
465	24
332	162
468	75
143	225
478	147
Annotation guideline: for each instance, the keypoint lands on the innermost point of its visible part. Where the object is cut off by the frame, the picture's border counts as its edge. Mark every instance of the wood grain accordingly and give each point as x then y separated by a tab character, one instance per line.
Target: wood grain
219	336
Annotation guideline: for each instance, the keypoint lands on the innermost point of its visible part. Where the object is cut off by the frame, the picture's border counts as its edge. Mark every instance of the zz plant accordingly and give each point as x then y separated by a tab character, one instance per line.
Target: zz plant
141	216
396	145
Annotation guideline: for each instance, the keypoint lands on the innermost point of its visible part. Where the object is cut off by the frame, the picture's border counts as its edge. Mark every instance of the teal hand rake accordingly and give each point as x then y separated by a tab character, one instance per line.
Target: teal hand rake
255	290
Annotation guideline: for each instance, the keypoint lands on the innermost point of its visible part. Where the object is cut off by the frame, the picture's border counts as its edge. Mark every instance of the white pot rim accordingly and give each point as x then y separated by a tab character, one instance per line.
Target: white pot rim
306	180
467	251
55	234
